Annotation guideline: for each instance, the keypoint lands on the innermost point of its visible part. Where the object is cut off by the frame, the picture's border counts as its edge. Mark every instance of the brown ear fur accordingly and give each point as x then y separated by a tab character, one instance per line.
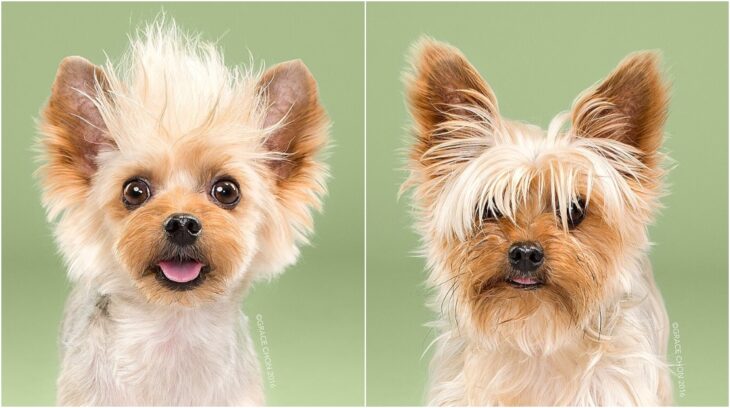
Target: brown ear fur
443	86
73	131
630	106
291	93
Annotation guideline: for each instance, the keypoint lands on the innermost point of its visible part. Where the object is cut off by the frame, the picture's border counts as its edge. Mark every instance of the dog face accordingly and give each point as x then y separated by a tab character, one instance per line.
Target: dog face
528	232
178	175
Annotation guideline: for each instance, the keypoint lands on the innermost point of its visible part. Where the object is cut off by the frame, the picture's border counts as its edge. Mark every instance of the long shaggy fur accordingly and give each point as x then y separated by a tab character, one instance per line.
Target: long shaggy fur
173	113
596	333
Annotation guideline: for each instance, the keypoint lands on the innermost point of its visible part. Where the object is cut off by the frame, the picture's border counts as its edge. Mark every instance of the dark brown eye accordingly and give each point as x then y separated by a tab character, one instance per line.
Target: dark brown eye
136	192
576	213
489	213
225	193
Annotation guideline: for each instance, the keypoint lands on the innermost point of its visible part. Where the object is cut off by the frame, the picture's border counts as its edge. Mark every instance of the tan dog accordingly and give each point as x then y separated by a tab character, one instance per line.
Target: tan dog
176	183
537	240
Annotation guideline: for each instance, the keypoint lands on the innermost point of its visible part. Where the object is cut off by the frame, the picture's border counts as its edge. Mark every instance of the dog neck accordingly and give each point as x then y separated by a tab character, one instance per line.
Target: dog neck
140	348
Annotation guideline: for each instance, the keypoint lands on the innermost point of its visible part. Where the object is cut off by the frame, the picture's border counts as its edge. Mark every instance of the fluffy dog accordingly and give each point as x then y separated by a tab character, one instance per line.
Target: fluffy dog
536	240
175	182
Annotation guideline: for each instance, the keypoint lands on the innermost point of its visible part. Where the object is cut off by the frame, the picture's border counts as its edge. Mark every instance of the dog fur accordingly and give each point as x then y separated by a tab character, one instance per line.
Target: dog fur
596	331
174	115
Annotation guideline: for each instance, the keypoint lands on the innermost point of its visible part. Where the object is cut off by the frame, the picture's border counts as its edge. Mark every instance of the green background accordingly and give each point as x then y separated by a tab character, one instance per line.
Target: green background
313	313
538	57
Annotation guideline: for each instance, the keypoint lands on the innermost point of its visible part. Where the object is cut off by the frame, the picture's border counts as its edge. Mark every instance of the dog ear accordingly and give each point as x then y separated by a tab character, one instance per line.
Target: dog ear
73	128
630	106
297	118
298	130
442	87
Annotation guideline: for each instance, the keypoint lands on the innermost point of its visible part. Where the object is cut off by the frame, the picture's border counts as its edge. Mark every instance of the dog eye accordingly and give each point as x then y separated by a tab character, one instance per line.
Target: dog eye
576	213
489	213
135	193
225	193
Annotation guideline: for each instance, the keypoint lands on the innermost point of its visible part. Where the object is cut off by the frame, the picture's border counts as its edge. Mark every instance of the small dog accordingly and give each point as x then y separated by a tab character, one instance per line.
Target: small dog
536	241
176	182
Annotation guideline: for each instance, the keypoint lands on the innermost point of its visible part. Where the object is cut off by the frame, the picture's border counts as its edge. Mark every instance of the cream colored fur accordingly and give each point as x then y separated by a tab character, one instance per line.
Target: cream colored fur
119	347
613	358
507	345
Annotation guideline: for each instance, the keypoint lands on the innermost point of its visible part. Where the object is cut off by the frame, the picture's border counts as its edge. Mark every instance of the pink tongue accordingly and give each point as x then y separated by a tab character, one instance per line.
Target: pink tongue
524	281
181	271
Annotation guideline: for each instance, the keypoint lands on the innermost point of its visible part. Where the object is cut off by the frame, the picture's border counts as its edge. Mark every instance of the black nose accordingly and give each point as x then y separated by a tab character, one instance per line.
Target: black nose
526	256
182	229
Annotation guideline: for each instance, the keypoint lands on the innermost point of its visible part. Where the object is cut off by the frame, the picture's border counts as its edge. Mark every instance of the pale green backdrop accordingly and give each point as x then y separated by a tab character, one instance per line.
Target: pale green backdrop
313	314
538	57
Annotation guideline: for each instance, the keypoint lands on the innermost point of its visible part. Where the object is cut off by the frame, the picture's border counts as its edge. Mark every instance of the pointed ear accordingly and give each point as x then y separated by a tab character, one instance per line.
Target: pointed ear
299	133
300	123
443	86
630	106
73	130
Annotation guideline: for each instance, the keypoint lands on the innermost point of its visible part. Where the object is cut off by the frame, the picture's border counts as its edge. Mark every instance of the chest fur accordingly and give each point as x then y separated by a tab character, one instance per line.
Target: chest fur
583	374
126	354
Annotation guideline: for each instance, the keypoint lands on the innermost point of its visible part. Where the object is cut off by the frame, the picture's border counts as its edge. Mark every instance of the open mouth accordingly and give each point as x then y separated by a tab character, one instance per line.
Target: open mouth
180	274
523	282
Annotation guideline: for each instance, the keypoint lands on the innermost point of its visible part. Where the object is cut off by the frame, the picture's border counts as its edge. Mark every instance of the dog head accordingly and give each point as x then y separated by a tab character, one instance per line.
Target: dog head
527	232
178	175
